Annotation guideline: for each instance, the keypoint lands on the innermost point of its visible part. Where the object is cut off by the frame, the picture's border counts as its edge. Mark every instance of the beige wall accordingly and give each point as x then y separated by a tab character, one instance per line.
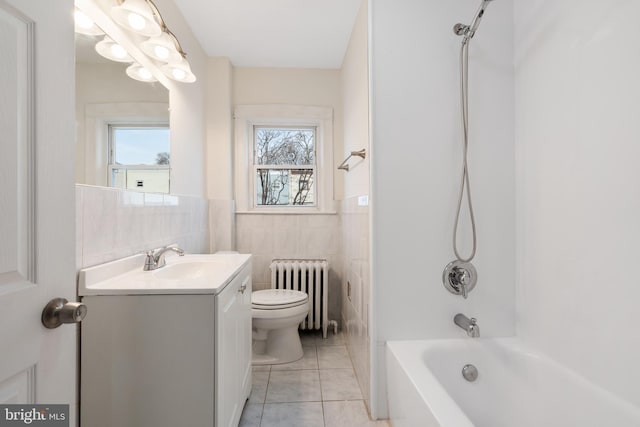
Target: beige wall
355	106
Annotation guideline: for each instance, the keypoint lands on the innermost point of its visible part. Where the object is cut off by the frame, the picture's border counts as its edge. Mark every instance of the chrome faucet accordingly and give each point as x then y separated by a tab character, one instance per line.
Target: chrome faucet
469	325
156	260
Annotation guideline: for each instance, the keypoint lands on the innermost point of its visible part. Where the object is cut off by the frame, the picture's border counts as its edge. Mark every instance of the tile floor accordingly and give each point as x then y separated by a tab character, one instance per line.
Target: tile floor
319	390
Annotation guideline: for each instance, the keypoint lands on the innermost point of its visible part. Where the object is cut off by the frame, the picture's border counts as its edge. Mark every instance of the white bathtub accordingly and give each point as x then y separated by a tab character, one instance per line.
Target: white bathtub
515	388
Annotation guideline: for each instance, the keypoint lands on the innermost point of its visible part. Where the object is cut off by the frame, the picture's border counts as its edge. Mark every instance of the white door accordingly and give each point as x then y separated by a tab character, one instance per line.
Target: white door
37	200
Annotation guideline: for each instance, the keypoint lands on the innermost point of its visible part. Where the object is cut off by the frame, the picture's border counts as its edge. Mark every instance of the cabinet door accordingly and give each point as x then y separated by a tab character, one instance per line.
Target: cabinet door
227	379
233	352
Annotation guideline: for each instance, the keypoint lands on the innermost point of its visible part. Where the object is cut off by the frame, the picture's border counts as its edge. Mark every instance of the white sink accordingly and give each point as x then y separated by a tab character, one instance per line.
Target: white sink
190	270
189	274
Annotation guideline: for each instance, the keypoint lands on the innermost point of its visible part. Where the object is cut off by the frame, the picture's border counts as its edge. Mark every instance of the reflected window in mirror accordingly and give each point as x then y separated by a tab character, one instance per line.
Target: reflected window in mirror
139	157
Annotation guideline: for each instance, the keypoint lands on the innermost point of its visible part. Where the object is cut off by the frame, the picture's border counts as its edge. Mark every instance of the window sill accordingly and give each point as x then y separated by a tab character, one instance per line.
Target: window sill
285	212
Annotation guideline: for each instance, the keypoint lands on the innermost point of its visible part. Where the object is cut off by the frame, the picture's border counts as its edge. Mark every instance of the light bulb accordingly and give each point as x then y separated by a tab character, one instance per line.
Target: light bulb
118	51
161	52
178	74
82	20
144	74
136	21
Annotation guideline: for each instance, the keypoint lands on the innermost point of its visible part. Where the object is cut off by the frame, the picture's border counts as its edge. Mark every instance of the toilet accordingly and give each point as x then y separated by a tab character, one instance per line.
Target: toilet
276	314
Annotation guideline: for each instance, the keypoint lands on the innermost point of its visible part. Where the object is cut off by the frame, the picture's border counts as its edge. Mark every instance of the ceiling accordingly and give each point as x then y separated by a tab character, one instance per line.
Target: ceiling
273	33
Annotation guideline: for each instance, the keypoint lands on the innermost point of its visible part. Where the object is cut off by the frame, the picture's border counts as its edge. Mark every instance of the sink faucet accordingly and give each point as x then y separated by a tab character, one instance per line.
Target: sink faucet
469	325
156	260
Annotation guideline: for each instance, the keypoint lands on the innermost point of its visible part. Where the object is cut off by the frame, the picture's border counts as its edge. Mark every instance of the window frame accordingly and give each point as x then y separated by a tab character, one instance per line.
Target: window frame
256	166
247	118
97	117
111	165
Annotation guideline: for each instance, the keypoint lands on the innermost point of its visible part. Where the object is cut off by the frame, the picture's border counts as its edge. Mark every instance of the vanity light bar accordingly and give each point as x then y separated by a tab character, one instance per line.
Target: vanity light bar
141	17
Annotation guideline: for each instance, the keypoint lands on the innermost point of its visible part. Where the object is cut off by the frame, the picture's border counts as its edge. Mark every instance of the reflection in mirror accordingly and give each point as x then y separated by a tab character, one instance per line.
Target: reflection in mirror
122	125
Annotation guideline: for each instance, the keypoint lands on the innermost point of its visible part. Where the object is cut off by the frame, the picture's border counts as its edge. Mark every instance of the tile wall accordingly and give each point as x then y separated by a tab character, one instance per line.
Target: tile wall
354	213
222	224
112	223
271	236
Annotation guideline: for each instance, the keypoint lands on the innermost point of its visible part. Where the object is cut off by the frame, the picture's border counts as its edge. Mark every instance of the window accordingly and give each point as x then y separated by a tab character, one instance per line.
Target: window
283	159
139	157
285	165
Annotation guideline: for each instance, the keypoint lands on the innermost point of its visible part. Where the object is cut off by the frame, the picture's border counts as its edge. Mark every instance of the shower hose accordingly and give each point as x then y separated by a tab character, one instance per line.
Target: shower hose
465	182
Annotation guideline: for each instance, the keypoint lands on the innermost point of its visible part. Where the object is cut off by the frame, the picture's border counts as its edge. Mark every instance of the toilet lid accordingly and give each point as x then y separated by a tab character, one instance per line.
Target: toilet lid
270	299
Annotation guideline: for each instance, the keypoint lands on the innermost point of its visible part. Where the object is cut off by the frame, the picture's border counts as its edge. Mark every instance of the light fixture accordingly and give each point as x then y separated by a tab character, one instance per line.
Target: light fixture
85	25
161	51
112	50
163	48
138	72
137	16
179	71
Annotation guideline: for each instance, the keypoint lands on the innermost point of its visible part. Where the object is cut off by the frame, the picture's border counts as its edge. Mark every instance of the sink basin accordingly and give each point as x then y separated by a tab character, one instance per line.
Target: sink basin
189	270
189	274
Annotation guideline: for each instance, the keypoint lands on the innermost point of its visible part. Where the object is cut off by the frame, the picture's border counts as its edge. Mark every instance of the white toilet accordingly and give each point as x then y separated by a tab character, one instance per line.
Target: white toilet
276	314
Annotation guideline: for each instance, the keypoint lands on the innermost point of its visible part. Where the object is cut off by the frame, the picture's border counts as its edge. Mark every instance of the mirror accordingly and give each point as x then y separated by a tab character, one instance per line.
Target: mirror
122	125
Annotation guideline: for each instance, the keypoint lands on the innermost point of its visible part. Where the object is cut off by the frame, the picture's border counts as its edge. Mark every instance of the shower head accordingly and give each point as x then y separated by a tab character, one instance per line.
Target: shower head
468	31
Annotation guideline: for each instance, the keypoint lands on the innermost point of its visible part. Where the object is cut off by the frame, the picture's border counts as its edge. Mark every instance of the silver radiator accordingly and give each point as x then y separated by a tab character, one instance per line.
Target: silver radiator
310	276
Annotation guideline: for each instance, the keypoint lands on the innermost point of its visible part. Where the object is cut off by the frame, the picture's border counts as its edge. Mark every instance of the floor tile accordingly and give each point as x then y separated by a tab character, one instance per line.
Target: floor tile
259	368
333	357
339	384
259	382
304	414
294	386
251	415
348	413
308	361
332	339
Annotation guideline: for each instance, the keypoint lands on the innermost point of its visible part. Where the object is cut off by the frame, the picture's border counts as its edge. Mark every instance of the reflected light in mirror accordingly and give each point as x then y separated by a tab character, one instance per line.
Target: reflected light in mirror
163	48
112	50
180	72
85	25
138	72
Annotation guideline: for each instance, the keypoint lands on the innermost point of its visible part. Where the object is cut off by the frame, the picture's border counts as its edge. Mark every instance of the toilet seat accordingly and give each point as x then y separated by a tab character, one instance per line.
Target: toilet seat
277	299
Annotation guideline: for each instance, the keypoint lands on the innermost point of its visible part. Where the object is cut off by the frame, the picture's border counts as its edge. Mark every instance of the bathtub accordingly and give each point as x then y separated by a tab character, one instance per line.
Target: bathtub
515	388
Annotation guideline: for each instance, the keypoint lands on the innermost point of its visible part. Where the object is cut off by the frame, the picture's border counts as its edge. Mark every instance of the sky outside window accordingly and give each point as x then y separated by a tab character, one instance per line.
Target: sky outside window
139	146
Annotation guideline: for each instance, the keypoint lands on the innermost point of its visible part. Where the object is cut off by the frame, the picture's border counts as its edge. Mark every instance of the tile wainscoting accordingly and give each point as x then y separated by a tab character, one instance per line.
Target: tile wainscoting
113	223
356	285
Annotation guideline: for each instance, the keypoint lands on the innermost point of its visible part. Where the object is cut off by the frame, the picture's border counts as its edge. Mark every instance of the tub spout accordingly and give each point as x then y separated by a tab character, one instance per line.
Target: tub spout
469	325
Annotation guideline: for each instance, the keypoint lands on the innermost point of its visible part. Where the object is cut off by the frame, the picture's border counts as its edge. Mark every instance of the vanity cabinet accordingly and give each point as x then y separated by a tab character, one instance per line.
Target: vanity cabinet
167	359
233	353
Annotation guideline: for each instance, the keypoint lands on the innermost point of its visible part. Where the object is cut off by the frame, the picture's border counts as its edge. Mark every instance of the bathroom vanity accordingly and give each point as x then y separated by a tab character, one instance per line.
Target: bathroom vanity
169	347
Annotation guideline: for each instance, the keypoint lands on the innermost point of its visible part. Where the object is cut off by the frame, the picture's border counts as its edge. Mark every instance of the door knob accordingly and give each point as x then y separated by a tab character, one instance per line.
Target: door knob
59	311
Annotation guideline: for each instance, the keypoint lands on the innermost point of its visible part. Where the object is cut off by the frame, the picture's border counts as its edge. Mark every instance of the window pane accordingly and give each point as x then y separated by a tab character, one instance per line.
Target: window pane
284	146
140	146
285	187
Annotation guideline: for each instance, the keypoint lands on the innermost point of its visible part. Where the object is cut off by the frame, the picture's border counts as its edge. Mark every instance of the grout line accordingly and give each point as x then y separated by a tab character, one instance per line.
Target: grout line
324	417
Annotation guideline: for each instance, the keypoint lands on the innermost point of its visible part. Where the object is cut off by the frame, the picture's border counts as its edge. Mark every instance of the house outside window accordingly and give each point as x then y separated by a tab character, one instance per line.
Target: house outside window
139	157
283	159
